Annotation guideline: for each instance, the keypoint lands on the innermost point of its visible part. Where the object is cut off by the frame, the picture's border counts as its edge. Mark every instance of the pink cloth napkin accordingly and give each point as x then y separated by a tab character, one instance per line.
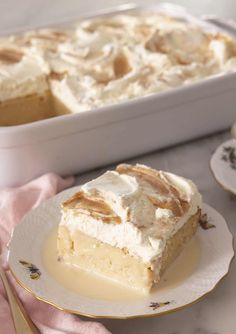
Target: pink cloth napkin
14	203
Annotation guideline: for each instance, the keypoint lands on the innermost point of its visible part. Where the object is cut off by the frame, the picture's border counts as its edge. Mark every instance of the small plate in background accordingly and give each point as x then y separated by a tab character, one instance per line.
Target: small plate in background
223	165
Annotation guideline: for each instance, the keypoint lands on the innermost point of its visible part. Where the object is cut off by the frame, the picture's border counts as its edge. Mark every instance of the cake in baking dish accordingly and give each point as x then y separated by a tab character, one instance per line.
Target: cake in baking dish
103	61
129	225
24	91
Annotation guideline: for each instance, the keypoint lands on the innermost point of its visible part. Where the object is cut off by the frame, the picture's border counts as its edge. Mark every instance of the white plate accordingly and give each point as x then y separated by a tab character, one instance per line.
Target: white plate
223	165
28	240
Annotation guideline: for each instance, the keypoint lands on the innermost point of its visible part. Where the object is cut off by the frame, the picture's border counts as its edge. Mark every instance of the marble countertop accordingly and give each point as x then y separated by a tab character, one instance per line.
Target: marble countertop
215	314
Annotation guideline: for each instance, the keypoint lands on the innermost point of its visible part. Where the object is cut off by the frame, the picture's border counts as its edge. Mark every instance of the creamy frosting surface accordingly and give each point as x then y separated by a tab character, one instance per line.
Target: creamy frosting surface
126	56
115	58
150	212
21	73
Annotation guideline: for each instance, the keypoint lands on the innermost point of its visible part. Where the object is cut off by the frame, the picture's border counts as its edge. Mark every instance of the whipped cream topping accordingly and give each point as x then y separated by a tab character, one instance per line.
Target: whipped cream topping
115	58
21	73
145	227
126	56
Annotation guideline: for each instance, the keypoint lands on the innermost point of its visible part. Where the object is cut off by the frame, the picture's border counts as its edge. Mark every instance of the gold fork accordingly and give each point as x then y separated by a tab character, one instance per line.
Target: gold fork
22	322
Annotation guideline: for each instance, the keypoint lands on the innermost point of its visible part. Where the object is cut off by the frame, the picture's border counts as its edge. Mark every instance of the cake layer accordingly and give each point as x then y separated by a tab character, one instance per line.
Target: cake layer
59	107
176	244
117	264
26	109
101	259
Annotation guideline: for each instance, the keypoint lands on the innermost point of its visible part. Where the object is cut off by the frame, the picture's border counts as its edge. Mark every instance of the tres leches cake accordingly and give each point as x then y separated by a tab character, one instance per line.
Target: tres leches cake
129	225
103	61
24	91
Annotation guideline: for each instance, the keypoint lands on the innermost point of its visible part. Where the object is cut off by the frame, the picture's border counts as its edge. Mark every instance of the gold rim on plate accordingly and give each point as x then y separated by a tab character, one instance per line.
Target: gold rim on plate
94	312
132	316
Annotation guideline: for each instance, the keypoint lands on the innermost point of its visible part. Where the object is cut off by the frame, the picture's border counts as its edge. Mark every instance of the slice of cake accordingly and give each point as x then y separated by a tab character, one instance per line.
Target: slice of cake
129	225
24	91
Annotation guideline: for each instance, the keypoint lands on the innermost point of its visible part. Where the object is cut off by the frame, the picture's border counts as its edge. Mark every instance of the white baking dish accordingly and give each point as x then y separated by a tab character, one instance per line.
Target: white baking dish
74	143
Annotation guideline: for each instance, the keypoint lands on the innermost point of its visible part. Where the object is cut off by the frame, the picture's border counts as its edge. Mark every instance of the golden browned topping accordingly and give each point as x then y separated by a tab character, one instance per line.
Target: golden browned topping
10	55
92	205
170	43
149	175
175	202
55	36
121	65
155	45
47	39
57	76
177	206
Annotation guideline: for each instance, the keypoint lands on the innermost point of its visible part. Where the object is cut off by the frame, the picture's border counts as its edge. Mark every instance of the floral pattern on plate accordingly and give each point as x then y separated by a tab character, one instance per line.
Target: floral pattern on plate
33	270
204	222
215	241
156	305
229	156
223	165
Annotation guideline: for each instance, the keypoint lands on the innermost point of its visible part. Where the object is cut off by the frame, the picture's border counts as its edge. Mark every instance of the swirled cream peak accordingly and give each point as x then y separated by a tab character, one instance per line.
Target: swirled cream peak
106	60
184	46
121	57
21	73
10	55
146	207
